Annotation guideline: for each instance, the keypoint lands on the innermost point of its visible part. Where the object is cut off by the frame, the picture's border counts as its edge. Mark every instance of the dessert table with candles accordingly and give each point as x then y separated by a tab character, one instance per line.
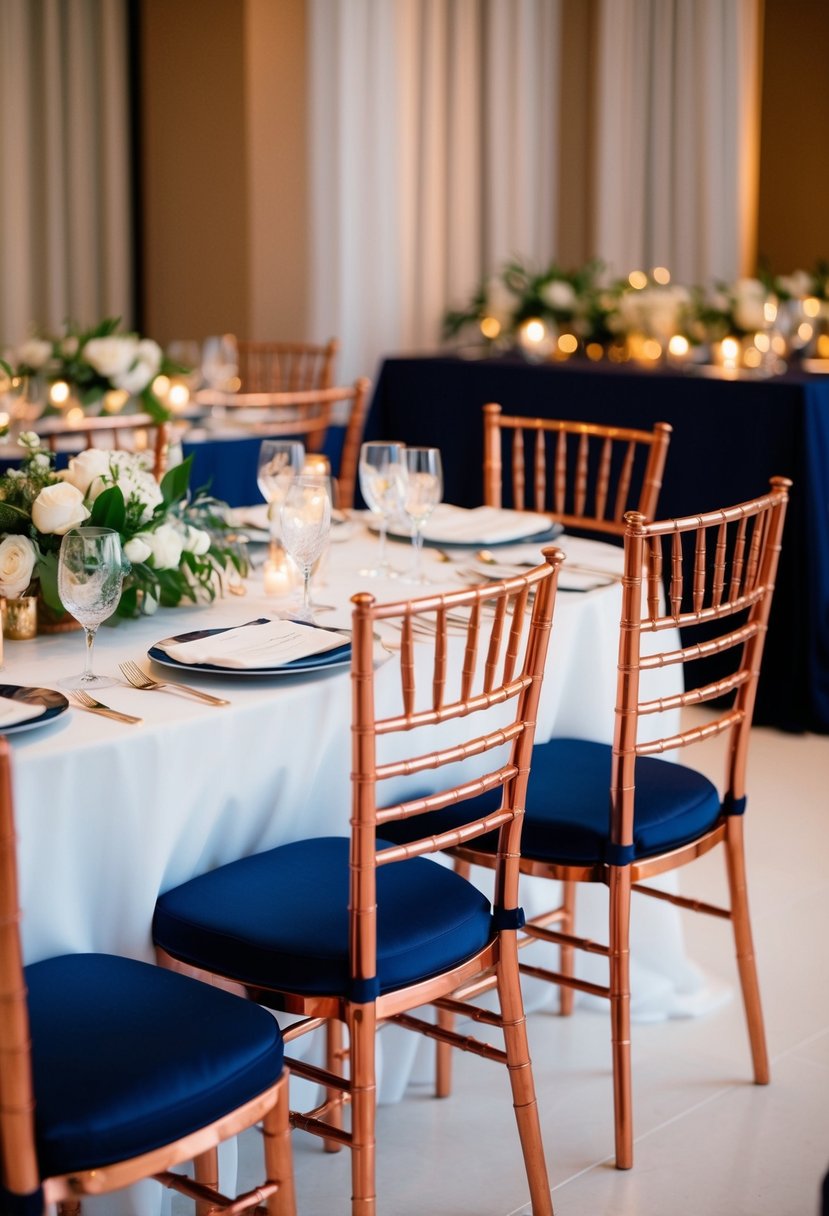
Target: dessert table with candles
731	433
110	814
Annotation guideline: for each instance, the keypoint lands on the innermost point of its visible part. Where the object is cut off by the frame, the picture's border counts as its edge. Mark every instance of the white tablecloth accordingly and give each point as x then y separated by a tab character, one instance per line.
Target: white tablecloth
109	815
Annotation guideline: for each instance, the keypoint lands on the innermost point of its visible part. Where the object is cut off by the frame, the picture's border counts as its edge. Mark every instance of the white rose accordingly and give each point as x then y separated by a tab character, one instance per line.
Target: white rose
559	295
110	356
196	541
58	508
35	353
135	481
165	546
84	468
137	549
17	562
144	369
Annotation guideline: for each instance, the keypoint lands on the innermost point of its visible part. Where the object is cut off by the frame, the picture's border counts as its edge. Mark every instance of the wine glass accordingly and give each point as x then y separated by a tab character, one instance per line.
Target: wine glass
423	491
279	462
382	484
91	568
306	524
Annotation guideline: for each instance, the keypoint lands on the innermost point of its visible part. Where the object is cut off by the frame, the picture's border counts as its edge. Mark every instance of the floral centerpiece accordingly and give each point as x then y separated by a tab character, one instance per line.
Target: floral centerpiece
98	367
178	546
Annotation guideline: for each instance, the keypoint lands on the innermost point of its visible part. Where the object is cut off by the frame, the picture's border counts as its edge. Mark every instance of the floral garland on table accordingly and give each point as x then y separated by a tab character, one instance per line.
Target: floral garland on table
174	544
97	365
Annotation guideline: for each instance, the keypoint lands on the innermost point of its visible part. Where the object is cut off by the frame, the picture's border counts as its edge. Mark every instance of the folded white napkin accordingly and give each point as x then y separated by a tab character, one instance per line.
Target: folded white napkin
482	525
268	645
12	712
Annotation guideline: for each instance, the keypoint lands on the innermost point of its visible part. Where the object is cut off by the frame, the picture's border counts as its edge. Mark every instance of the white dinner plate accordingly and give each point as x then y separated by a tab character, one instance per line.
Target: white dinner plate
468	528
340	657
51	704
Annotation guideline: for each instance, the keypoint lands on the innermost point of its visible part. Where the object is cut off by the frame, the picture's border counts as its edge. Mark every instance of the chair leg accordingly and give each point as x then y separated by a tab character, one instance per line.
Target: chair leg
443	1057
361	1022
334	1064
741	922
206	1170
276	1130
519	1066
620	1013
566	996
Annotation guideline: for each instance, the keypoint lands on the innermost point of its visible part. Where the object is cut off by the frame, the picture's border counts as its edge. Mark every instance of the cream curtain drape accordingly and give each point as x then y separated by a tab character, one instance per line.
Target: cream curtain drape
435	141
65	223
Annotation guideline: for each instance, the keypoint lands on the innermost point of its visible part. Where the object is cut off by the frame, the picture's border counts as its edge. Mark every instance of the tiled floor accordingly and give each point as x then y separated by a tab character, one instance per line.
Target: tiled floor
708	1142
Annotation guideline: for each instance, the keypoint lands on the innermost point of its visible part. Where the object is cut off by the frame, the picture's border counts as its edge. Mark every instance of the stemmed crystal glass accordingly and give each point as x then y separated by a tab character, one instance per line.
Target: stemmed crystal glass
382	484
423	492
91	569
306	525
280	460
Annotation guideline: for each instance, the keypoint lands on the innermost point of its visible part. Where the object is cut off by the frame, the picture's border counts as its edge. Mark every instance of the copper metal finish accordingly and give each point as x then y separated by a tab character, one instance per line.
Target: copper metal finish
286	367
743	545
587	480
504	650
18	1156
144	432
306	413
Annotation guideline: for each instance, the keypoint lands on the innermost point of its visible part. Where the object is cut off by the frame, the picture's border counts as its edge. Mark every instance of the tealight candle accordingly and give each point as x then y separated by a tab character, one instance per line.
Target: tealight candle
317	465
278	576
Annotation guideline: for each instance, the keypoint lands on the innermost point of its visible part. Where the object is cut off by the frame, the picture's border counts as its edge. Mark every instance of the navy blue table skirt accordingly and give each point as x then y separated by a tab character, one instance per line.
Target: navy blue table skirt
227	467
729	438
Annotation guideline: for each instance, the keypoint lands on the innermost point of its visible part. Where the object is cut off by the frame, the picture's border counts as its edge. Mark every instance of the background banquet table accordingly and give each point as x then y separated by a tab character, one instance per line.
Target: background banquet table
729	438
109	815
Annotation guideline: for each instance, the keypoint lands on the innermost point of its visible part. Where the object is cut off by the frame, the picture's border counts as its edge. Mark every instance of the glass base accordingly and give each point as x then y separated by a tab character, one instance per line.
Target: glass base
82	683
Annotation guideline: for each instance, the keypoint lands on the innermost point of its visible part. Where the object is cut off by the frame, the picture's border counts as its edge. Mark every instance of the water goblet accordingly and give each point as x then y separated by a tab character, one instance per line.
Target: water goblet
382	484
91	567
423	492
306	525
279	462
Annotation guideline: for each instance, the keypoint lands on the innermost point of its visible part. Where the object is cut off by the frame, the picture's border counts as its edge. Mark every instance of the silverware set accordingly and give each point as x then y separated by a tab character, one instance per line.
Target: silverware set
137	678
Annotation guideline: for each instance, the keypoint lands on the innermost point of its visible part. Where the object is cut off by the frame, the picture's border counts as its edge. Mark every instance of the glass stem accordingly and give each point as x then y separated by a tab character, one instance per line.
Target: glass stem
306	591
90	642
417	540
381	557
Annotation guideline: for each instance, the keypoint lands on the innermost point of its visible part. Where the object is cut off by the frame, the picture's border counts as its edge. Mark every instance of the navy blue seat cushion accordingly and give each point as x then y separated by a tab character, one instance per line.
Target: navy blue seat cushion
567	816
280	918
127	1057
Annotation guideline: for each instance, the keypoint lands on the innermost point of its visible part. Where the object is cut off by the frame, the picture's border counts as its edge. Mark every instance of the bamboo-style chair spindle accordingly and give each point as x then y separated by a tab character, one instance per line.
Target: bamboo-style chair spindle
286	367
137	433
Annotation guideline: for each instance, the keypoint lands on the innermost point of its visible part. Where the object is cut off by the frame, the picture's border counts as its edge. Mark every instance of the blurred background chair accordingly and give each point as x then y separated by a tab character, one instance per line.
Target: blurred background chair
114	1070
279	367
619	815
353	931
586	475
122	432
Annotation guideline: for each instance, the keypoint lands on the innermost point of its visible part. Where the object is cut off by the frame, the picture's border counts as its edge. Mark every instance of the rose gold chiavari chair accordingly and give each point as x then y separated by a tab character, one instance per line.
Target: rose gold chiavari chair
356	932
619	815
112	1071
127	432
286	367
585	474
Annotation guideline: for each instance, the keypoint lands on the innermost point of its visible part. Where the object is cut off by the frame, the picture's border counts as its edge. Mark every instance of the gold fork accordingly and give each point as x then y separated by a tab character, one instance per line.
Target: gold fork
82	700
139	679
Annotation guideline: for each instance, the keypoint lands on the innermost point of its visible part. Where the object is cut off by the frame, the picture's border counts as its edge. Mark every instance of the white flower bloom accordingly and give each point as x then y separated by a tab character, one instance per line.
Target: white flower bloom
166	547
137	550
35	353
559	295
797	284
17	562
58	508
86	467
110	356
42	460
143	370
749	299
29	440
149	604
196	541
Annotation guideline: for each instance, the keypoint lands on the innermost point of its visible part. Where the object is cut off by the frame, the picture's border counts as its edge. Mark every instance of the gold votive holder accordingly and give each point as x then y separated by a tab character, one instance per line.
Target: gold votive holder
19	617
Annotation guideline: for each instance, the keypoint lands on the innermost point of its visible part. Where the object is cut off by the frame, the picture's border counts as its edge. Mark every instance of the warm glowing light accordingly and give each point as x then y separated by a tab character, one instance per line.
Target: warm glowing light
4	420
178	396
778	344
568	344
811	306
651	349
534	330
594	351
75	416
115	400
161	386
762	342
638	279
661	275
490	327
279	576
59	392
317	465
678	346
823	346
752	357
730	349
805	331
770	311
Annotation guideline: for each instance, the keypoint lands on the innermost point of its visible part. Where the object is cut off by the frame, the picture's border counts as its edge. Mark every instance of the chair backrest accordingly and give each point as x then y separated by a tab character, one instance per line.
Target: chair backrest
721	566
280	367
20	1171
585	474
129	432
502	631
